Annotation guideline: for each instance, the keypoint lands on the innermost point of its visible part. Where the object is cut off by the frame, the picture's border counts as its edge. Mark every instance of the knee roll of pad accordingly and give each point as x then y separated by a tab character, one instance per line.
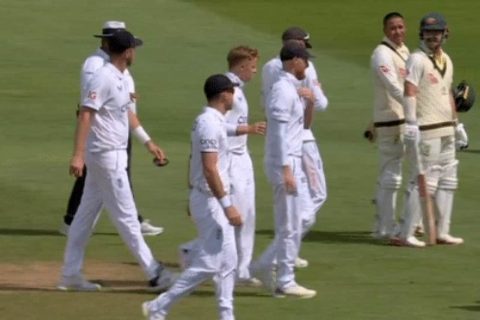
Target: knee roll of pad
448	179
391	181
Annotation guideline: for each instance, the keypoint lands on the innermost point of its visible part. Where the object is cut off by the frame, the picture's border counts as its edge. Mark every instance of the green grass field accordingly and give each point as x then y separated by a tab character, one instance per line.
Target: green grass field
45	42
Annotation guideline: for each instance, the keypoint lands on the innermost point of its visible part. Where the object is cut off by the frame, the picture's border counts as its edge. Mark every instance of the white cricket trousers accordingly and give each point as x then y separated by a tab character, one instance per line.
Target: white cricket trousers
107	185
440	164
214	257
288	224
317	187
242	184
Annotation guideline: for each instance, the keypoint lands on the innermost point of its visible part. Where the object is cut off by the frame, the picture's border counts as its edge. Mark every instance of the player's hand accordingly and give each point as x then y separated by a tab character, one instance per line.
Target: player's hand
257	128
411	134
370	133
76	166
307	94
156	151
233	216
289	180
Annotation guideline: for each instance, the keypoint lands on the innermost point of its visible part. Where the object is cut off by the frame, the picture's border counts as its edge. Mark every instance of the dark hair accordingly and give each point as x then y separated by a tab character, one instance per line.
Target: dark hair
391	15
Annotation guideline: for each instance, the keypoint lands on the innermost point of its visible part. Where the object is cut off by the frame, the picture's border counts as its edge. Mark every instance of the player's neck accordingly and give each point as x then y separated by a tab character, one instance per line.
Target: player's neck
119	63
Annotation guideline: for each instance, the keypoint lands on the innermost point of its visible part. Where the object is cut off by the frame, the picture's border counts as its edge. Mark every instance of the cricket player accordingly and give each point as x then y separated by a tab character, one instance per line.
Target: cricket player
283	166
431	124
101	138
94	62
311	160
211	207
388	69
242	62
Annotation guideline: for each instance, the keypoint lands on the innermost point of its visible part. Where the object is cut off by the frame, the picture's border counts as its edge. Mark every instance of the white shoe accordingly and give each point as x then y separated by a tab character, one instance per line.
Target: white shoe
151	315
301	263
409	242
251	282
150	230
295	291
163	281
77	283
448	239
64	228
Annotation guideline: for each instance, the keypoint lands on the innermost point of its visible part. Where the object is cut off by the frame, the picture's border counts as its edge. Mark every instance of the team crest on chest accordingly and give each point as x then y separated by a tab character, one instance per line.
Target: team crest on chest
432	78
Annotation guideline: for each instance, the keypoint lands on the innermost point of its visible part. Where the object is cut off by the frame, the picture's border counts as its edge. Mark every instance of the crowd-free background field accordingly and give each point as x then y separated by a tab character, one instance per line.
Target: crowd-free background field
45	41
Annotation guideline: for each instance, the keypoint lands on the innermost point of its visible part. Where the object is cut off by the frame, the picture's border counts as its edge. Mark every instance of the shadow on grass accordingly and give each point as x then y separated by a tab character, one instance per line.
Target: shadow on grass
41	232
471	151
468	308
134	287
330	237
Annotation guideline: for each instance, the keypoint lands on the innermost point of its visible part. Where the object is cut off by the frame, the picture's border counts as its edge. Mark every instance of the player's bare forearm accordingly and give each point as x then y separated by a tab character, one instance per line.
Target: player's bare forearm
210	171
255	128
308	116
84	121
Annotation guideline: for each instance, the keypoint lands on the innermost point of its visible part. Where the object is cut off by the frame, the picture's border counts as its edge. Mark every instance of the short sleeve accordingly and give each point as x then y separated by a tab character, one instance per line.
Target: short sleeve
414	69
208	136
95	92
279	104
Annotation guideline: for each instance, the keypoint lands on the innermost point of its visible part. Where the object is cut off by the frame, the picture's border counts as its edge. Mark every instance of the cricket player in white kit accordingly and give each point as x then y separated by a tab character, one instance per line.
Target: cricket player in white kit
388	70
101	138
90	66
283	166
431	124
242	63
210	206
311	160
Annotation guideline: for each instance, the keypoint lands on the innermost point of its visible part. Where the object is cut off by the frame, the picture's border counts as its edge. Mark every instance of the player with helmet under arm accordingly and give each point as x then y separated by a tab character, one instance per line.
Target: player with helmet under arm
431	124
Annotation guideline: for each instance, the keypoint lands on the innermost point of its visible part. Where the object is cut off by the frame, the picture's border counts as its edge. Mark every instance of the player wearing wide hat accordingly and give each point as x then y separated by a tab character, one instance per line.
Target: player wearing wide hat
94	62
104	121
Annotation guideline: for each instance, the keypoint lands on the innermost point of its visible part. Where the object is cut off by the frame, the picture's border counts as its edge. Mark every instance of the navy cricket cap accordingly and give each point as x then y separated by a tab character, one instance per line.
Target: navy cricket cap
293	49
433	21
122	40
297	33
216	84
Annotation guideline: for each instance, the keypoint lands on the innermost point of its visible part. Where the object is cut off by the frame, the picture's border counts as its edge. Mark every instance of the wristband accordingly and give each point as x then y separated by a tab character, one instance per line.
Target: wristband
410	109
225	202
141	135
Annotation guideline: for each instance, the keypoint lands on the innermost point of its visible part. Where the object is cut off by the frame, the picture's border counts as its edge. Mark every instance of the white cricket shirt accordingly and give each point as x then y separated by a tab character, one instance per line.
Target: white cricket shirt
285	119
434	110
270	74
209	134
108	94
91	65
389	71
237	116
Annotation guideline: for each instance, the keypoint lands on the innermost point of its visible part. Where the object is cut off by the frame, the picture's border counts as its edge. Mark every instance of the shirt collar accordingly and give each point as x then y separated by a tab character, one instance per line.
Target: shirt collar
393	44
115	70
235	79
215	112
429	52
291	78
103	54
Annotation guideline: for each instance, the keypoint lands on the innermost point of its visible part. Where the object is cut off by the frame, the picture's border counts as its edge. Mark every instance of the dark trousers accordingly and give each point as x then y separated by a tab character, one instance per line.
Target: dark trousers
77	190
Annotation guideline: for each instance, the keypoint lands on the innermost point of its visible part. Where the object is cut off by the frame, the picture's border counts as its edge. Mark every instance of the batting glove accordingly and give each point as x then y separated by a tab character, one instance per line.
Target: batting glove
461	138
411	134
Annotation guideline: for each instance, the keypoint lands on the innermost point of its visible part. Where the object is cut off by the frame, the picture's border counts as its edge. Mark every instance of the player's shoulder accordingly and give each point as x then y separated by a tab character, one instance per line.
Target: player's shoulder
273	64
